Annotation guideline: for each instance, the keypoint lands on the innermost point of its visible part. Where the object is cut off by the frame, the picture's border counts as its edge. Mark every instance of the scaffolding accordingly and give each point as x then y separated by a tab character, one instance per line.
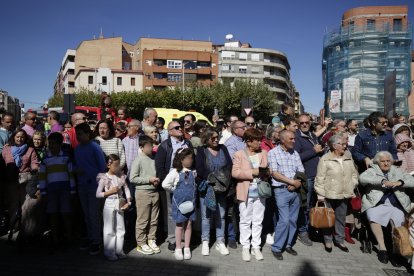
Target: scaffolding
367	53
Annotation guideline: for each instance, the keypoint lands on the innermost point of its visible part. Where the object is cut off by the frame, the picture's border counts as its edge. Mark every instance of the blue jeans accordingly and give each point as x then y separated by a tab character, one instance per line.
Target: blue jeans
207	215
303	220
92	215
287	204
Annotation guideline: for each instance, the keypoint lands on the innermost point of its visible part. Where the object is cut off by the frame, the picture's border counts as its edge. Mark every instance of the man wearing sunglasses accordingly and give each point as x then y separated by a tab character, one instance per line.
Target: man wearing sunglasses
373	140
163	164
189	120
250	122
29	123
310	151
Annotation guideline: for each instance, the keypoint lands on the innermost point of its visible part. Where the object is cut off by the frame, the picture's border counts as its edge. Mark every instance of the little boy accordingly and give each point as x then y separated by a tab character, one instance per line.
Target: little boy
143	175
57	185
89	161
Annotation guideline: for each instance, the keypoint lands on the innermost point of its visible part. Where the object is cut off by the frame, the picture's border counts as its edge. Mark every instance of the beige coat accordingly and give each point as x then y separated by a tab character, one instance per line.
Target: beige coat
243	173
336	181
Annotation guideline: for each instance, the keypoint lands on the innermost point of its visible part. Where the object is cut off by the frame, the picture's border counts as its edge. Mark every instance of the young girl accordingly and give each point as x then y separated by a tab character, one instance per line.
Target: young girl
110	186
181	181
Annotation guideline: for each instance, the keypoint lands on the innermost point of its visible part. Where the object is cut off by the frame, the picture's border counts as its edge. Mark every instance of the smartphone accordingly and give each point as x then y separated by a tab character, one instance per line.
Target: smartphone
216	111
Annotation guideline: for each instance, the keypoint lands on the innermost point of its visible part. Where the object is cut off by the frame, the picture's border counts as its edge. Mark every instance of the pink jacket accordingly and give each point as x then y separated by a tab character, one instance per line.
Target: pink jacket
407	157
29	159
242	172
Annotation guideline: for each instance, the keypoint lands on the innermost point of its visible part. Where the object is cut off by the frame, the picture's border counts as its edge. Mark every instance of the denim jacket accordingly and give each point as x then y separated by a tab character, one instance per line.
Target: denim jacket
367	145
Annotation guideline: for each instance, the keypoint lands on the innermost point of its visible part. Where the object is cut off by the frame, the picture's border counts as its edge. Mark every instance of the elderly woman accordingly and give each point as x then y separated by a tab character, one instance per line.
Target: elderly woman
152	132
105	137
385	198
21	162
248	167
335	181
212	157
271	138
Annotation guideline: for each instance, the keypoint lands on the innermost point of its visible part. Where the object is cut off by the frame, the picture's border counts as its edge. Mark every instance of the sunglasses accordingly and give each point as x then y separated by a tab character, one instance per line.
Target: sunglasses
187	122
176	128
214	138
304	123
250	124
118	129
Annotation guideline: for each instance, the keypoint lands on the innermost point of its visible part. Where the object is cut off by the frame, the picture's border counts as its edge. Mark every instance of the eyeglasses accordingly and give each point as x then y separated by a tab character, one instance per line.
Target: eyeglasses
176	128
187	122
214	138
118	129
304	123
383	123
250	124
344	144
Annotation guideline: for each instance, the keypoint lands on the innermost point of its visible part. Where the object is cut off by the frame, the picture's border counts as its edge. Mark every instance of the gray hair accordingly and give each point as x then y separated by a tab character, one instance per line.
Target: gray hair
147	112
380	155
335	139
271	129
148	129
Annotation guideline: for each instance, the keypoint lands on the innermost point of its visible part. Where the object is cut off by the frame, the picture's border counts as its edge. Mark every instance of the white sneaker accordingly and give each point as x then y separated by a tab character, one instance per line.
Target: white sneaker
112	258
221	247
178	254
145	249
246	254
205	249
154	246
270	239
187	253
257	253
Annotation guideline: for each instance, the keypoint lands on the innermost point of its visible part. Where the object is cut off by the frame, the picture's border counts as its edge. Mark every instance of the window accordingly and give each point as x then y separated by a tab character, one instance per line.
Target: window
255	57
255	70
90	79
228	55
158	76
127	65
243	56
104	80
370	24
397	25
132	81
174	64
227	68
174	77
243	69
119	81
188	64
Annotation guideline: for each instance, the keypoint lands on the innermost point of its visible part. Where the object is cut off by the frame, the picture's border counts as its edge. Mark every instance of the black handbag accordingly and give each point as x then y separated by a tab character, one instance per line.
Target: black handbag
220	180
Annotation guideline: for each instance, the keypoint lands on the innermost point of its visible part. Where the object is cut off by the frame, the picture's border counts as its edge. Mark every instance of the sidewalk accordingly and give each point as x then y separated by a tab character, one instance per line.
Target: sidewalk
310	261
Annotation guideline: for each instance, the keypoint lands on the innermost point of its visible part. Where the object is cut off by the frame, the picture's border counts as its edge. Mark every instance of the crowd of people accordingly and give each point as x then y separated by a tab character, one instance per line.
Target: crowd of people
136	179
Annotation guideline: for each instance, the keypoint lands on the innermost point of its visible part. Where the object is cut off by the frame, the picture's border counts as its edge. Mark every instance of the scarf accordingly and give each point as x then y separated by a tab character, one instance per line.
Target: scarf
17	153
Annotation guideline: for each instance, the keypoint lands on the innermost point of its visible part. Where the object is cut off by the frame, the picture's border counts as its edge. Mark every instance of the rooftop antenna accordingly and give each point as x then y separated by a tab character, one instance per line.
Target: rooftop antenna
229	37
101	34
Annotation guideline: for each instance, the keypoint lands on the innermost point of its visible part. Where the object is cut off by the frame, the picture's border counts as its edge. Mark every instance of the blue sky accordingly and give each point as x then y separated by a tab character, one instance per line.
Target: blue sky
35	34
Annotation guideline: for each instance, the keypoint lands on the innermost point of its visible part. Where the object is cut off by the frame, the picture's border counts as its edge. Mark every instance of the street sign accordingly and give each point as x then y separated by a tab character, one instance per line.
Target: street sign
247	111
247	107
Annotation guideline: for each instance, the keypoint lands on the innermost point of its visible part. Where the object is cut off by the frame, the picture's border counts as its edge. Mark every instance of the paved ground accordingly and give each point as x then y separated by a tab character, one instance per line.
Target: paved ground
36	260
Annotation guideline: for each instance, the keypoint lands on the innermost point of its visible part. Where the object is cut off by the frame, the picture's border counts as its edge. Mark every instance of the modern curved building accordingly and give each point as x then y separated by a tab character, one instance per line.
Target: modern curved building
241	61
371	50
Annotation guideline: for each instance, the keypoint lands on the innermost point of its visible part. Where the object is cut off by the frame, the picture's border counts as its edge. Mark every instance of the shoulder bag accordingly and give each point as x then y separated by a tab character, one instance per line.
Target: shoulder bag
264	189
322	217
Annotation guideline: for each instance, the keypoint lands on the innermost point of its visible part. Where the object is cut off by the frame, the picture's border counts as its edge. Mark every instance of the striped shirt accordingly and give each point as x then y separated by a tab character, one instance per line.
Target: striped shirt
131	145
287	163
113	146
56	174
